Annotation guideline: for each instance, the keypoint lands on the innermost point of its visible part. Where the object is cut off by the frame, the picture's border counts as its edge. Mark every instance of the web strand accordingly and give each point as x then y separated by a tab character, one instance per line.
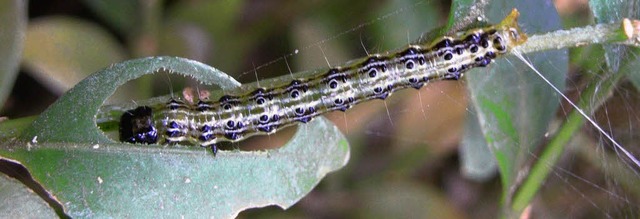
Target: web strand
598	127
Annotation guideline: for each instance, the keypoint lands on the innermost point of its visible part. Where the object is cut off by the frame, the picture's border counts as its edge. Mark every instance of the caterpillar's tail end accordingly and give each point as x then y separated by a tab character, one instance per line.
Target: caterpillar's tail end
511	28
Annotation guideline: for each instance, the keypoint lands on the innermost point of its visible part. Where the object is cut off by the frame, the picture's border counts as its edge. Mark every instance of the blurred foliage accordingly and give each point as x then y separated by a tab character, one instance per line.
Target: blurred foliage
13	21
80	48
405	161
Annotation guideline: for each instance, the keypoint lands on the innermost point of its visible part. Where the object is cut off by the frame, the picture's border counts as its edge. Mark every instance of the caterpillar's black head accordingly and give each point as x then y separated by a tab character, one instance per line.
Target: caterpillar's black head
136	126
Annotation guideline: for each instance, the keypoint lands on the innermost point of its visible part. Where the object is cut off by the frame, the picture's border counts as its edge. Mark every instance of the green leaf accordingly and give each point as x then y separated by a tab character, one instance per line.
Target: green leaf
13	22
18	201
92	176
478	163
514	105
61	51
465	13
396	30
123	180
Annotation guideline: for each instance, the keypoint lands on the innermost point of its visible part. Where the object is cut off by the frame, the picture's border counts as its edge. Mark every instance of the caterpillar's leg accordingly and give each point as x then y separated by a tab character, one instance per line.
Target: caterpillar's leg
214	149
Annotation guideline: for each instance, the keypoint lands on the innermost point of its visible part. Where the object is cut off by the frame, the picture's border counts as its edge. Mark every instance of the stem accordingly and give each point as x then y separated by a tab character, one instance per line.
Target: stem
582	36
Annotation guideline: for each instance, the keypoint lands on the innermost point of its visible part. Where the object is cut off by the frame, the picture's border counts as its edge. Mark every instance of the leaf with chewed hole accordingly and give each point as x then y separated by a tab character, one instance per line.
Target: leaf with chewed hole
93	176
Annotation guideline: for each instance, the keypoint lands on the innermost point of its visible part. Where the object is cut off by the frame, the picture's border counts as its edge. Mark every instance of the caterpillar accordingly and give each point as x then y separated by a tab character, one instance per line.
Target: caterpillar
265	110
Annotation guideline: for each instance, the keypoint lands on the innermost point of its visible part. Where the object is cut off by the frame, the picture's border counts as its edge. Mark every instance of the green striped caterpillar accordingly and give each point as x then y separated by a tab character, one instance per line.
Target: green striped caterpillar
265	110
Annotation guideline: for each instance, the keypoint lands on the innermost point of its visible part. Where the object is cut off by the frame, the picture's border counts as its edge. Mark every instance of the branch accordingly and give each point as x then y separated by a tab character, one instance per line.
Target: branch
626	32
